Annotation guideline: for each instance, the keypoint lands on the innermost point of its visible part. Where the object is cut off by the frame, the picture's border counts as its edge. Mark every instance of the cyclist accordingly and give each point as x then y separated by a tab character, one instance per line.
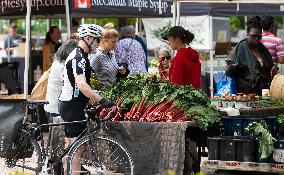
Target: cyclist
76	90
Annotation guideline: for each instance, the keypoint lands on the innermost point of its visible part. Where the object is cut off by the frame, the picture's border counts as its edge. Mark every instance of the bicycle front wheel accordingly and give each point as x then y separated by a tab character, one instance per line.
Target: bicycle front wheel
99	155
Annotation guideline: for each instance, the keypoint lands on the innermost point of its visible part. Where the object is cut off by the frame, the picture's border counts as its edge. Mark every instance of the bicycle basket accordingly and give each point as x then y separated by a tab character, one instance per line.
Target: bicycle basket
12	112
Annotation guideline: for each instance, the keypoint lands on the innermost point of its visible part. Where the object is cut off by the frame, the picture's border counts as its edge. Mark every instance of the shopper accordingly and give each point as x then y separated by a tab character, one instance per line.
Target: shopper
103	62
250	64
163	56
273	43
185	67
76	90
130	51
54	86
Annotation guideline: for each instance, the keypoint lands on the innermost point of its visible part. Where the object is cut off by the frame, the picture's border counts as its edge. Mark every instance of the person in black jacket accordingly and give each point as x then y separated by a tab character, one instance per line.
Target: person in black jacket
250	64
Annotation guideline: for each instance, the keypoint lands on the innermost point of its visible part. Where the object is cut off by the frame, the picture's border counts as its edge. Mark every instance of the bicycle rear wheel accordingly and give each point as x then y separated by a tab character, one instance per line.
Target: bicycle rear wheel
28	158
99	155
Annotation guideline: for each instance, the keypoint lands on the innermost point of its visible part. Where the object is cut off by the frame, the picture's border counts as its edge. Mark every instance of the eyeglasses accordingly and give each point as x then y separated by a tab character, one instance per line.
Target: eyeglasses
165	58
256	36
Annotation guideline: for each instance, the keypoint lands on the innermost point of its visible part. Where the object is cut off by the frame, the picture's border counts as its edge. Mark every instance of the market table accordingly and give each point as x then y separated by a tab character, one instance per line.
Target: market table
155	147
267	111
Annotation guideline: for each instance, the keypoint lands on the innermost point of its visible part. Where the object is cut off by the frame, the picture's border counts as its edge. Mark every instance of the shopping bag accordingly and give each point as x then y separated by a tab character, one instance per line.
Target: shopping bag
227	85
39	91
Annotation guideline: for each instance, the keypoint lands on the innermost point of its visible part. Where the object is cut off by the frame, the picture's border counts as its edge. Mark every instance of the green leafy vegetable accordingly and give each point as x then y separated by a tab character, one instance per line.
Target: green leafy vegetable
193	102
280	119
162	31
271	103
259	130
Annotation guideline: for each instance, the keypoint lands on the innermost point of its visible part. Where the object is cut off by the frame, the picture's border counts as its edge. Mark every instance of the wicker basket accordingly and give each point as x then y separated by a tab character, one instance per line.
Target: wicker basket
277	87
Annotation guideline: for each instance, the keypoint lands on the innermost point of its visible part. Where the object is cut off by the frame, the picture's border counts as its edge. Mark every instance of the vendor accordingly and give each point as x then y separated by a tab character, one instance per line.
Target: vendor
51	46
185	67
250	64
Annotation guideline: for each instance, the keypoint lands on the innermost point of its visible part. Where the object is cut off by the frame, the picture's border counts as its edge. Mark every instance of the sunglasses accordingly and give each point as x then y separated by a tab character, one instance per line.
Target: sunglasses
165	58
256	36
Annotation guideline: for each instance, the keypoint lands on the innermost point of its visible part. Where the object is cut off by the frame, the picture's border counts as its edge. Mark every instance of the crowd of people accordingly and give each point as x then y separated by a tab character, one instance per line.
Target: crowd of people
112	55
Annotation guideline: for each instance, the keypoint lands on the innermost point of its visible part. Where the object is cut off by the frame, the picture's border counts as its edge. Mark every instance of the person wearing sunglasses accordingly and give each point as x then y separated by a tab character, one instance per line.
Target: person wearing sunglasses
250	63
185	67
163	56
273	43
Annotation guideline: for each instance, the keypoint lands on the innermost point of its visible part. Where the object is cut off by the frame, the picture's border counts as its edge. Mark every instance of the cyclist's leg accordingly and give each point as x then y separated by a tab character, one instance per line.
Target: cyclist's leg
73	111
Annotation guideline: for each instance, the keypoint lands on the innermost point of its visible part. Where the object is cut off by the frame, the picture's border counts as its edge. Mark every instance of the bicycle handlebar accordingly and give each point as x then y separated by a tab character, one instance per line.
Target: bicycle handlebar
96	112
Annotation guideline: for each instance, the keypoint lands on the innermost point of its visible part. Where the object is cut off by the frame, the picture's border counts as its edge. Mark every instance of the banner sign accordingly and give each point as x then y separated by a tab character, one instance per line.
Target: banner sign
135	8
198	25
18	8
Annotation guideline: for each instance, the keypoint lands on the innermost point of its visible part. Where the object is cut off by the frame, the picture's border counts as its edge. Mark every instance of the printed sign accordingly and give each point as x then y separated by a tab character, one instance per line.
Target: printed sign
198	25
149	8
39	7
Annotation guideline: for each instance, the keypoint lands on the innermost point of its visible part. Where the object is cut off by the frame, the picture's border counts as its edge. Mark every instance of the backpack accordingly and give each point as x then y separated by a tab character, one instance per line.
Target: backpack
12	112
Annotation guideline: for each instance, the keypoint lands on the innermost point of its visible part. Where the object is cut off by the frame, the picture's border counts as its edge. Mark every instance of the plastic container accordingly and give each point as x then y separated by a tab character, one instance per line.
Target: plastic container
235	126
227	148
278	154
37	73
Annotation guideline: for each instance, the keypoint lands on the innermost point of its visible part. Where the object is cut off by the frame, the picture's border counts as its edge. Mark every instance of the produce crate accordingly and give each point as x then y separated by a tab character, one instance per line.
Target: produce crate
229	148
235	126
278	154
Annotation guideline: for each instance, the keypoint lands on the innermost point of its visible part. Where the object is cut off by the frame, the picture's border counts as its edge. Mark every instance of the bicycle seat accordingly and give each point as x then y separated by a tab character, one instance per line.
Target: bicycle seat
37	102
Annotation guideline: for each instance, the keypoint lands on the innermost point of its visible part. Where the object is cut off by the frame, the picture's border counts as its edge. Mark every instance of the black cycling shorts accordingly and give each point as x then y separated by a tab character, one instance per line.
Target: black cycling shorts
72	111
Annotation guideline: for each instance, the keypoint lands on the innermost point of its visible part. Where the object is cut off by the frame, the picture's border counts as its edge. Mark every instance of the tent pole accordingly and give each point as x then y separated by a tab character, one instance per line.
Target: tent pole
178	13
175	12
9	42
68	19
136	26
211	55
27	48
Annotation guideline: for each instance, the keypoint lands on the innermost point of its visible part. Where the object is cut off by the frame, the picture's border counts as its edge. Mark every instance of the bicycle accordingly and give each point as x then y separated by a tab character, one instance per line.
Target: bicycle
99	153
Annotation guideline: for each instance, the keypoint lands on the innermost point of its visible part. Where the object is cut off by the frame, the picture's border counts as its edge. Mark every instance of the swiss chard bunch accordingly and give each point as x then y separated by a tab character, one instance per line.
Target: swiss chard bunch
259	130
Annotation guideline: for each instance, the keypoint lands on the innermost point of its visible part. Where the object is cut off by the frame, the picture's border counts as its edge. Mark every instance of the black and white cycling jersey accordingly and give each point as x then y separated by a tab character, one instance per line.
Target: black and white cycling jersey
77	63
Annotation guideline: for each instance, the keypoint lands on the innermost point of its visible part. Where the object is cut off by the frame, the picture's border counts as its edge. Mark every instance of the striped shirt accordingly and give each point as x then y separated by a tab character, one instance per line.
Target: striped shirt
273	44
105	66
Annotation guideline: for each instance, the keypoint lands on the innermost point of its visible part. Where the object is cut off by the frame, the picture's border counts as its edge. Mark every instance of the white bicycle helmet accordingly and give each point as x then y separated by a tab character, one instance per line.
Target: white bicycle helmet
92	30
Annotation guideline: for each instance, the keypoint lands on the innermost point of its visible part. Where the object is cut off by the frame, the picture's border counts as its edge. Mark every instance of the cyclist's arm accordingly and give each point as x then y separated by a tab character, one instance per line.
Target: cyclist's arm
86	89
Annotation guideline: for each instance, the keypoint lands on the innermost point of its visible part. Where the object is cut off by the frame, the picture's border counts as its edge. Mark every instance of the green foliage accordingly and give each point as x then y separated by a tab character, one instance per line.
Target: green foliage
193	102
237	23
162	31
154	62
259	130
280	119
272	103
95	84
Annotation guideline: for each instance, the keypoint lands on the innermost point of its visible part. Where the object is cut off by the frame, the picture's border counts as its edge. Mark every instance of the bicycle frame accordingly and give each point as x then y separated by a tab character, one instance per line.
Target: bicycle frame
33	129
